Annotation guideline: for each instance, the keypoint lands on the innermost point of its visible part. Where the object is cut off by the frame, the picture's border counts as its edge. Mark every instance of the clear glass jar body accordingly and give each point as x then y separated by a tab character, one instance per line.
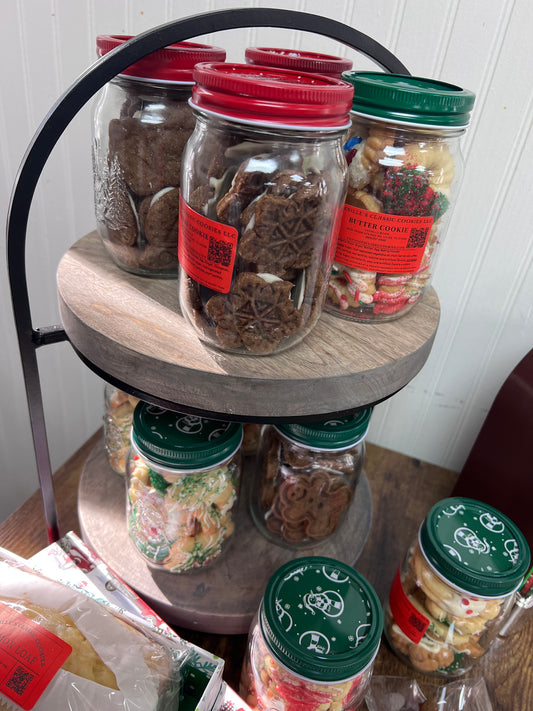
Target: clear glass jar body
118	415
140	128
461	626
181	519
266	683
403	183
300	495
251	436
263	206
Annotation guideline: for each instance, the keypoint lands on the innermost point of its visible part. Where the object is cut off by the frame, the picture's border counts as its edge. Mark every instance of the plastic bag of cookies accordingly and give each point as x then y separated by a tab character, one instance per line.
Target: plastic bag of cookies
60	649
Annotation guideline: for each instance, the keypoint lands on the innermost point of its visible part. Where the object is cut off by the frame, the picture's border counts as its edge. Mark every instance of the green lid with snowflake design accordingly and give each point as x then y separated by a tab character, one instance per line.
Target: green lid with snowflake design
321	619
173	439
475	547
333	433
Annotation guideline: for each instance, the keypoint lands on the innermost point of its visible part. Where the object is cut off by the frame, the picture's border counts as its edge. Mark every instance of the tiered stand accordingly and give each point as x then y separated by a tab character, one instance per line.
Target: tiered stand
129	330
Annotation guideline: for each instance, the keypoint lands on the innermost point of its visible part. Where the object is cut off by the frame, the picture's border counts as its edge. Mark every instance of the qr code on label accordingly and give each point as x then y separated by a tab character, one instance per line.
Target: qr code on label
19	680
417	623
417	237
219	252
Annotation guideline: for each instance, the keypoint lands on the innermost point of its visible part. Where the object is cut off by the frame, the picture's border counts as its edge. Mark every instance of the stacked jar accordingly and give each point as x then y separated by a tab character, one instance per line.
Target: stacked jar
314	639
118	416
141	123
405	169
263	187
455	587
298	60
306	478
182	479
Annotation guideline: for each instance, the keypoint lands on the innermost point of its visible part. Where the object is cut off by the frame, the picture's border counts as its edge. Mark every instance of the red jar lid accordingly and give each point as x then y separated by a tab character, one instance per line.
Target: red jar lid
298	60
257	94
173	63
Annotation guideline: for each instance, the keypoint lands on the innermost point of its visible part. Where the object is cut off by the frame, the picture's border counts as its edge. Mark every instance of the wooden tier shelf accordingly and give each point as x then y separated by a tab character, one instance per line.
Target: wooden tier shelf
130	329
222	597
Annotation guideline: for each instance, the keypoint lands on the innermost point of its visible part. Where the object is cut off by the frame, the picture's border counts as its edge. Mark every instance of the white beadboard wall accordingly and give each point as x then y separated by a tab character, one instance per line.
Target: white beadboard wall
484	275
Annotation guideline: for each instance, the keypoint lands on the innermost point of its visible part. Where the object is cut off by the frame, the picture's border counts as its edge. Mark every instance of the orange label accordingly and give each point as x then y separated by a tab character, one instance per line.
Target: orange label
30	656
408	618
377	242
206	249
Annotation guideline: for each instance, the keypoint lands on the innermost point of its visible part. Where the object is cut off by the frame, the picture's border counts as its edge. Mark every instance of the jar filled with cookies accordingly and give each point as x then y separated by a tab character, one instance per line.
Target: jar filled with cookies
313	641
405	169
306	479
263	188
141	123
118	416
455	588
182	479
299	60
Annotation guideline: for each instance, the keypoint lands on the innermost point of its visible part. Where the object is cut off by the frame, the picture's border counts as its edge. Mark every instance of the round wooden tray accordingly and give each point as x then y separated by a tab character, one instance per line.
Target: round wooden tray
223	597
130	329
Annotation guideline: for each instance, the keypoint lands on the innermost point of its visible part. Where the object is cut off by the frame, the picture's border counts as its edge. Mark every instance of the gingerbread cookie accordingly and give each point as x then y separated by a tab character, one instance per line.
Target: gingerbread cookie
308	506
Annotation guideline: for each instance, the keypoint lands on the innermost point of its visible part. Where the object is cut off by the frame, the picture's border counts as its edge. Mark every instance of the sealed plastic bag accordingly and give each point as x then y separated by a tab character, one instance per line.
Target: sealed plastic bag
60	649
394	693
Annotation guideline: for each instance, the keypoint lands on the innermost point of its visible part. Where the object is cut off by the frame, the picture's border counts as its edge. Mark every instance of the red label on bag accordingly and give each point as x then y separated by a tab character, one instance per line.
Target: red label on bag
206	249
377	242
408	618
30	656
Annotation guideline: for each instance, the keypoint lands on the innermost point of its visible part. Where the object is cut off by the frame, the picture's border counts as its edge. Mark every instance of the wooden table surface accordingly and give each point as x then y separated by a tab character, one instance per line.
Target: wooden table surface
403	490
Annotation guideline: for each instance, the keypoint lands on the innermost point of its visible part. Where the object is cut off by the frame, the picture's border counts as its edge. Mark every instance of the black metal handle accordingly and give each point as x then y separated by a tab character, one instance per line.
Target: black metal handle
51	129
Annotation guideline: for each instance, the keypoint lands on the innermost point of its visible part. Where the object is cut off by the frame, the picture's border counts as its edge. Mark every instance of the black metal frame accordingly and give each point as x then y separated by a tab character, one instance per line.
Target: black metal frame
51	129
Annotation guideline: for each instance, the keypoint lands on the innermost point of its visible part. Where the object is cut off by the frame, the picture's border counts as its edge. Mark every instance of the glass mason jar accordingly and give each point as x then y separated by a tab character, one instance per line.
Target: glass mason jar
182	479
405	169
455	587
313	641
263	187
141	123
307	474
118	415
298	60
251	434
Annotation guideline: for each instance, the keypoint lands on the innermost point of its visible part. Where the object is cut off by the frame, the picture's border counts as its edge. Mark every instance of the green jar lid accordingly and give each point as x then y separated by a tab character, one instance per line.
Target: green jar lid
333	433
475	547
399	97
321	619
173	439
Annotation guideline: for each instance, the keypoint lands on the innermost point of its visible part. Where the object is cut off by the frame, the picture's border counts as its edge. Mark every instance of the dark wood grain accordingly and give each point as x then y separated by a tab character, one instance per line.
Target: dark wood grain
403	490
131	328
